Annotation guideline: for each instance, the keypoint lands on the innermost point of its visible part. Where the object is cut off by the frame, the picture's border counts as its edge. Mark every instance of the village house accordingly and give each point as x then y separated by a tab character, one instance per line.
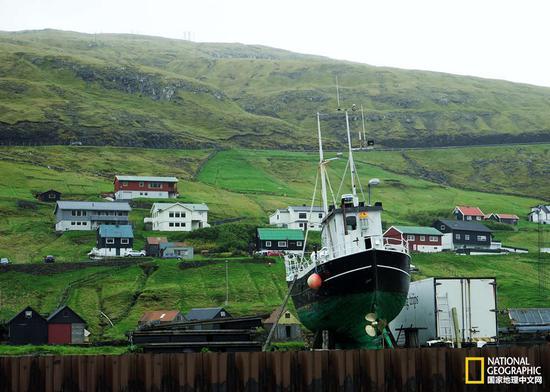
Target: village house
114	240
288	328
160	317
177	217
467	213
419	239
509	219
175	250
28	327
49	196
89	215
65	326
201	314
152	245
465	234
275	239
298	217
540	213
132	187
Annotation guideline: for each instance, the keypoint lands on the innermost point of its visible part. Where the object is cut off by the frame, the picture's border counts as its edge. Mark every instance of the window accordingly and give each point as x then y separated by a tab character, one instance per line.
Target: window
83	213
298	243
422	238
183	224
482	238
457	236
442	227
171	224
155	185
177	214
468	217
177	224
73	223
171	214
478	217
51	196
124	241
28	314
268	244
410	237
84	223
141	193
433	238
320	215
287	315
277	217
78	223
288	331
124	183
351	223
301	225
302	215
109	241
467	237
222	313
141	184
183	214
281	244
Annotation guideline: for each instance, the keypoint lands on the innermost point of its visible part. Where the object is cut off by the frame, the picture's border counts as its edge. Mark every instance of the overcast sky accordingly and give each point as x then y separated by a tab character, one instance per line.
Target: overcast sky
488	38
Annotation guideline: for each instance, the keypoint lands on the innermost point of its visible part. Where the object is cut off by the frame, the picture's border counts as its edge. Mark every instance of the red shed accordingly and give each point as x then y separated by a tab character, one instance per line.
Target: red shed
65	326
419	239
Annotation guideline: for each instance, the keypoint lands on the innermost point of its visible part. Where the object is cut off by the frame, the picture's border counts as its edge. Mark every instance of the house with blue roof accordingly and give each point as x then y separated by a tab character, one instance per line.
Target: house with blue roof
114	240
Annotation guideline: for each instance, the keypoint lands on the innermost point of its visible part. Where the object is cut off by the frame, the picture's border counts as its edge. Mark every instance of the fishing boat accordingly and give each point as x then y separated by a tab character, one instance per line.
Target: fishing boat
358	281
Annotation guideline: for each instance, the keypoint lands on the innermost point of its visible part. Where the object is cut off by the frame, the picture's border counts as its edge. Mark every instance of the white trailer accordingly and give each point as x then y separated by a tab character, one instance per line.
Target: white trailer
427	315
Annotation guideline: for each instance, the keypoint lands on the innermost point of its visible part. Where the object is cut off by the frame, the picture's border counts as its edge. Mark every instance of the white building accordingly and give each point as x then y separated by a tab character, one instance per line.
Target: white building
540	213
298	217
178	216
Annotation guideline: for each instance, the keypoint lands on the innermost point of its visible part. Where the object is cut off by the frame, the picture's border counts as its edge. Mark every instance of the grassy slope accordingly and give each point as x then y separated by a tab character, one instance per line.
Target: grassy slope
135	90
258	182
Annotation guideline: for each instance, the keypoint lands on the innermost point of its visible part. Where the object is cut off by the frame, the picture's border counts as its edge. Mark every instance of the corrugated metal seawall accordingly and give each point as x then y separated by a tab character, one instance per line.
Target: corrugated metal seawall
435	369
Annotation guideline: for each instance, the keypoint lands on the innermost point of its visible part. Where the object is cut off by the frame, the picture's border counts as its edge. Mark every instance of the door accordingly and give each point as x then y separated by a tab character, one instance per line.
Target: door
59	334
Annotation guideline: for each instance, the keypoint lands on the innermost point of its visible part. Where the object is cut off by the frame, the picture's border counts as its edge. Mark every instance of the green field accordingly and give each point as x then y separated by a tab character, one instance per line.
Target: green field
248	184
129	90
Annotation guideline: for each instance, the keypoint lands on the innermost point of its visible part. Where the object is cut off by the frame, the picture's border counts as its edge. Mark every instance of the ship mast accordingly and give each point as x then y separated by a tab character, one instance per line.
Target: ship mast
322	167
351	163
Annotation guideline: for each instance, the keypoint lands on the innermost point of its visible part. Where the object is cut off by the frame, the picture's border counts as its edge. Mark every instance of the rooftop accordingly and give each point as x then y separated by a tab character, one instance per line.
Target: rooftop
189	206
159	315
271	233
116	231
94	205
146	178
468	210
204	313
465	225
306	208
422	230
156	240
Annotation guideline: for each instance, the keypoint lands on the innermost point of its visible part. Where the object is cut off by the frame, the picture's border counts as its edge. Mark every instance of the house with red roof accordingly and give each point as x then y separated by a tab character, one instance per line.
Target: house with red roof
419	239
161	317
509	219
468	213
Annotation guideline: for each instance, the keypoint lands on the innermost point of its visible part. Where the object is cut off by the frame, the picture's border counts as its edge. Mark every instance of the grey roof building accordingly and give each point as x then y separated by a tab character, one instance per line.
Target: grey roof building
89	215
207	314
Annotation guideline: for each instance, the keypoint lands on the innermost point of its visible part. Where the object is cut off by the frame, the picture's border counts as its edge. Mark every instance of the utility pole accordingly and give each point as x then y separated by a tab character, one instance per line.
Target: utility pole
226	282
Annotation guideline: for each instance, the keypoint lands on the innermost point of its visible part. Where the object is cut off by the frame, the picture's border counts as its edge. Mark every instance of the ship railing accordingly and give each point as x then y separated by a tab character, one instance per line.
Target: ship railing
397	244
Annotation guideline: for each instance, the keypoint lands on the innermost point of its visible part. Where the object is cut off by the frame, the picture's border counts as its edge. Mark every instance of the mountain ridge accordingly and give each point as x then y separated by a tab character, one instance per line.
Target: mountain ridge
112	89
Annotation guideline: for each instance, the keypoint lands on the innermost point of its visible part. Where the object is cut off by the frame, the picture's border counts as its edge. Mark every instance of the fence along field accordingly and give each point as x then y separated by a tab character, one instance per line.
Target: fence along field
427	369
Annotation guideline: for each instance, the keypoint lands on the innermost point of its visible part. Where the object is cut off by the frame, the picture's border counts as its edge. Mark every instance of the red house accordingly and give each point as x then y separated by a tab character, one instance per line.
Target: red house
66	327
419	239
131	187
467	213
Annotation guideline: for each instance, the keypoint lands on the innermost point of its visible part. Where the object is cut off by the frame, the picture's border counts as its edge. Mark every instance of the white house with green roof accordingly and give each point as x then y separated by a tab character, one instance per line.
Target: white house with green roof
298	217
419	238
277	239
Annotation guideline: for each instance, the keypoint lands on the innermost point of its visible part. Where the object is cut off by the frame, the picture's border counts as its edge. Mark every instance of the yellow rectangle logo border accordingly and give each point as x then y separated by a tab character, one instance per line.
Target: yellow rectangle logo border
467	361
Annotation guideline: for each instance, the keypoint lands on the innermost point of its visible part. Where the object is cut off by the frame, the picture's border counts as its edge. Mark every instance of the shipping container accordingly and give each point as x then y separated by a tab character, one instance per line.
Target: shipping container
427	315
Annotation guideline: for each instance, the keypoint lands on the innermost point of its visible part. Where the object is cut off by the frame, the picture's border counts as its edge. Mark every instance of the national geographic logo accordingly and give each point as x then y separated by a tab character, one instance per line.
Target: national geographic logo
501	370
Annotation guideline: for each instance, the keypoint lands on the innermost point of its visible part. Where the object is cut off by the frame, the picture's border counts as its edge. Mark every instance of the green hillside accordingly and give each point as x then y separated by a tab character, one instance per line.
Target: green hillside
247	184
61	87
